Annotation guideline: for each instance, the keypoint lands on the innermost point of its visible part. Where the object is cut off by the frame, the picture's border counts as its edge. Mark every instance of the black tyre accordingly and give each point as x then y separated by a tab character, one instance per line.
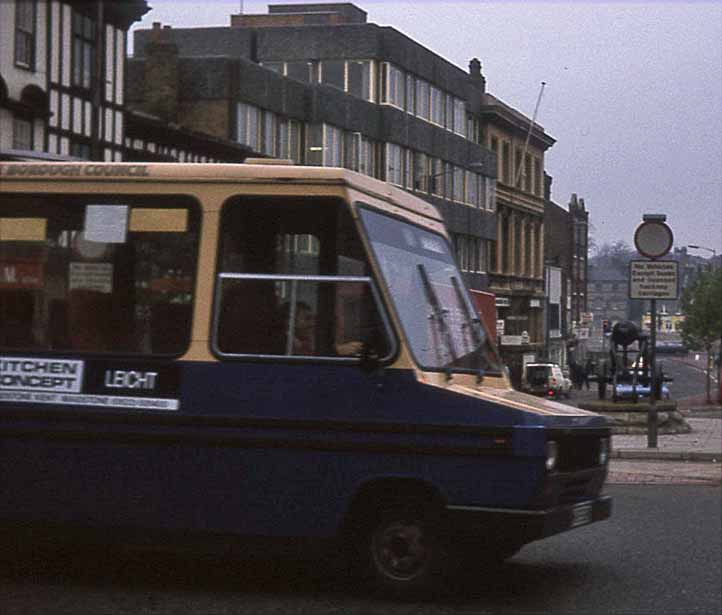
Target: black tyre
403	553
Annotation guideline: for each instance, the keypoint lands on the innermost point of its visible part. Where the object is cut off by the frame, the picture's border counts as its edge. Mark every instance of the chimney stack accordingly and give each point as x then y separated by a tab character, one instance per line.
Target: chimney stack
161	74
475	73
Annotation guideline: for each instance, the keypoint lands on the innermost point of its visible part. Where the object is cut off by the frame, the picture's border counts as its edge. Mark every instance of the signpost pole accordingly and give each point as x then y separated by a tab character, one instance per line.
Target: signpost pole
653	280
652	413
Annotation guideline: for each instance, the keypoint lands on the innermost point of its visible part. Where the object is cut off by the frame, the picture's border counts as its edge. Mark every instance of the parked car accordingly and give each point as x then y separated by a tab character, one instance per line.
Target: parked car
625	391
545	379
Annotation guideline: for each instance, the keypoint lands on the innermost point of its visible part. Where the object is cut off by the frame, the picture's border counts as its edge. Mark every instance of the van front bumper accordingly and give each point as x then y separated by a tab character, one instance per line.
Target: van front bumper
469	522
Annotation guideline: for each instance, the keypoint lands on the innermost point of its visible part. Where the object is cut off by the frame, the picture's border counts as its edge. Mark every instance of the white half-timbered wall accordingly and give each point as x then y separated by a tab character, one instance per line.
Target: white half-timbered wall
17	77
70	105
68	130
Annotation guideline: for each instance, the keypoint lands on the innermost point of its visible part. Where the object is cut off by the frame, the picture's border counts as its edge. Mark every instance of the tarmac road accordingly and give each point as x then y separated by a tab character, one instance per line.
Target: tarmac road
688	374
660	554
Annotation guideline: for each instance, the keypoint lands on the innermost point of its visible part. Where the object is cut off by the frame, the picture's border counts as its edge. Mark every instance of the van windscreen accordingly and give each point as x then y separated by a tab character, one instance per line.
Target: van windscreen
430	297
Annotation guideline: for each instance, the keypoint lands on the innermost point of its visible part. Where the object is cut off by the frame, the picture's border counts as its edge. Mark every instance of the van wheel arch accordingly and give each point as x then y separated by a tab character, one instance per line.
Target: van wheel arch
387	492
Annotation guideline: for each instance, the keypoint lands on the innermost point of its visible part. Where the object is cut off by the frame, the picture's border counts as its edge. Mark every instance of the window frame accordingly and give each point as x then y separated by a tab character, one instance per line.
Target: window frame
394	155
24	122
332	136
25	37
393	86
84	43
134	200
282	358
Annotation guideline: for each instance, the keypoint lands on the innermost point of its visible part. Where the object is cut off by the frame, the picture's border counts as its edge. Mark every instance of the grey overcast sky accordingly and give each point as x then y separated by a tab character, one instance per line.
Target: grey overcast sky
633	93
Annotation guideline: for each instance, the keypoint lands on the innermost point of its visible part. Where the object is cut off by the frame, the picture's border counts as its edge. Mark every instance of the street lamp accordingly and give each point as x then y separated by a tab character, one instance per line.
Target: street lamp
714	252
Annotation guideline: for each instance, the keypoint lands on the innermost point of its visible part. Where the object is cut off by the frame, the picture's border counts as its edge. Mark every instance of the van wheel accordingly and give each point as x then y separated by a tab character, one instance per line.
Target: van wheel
402	551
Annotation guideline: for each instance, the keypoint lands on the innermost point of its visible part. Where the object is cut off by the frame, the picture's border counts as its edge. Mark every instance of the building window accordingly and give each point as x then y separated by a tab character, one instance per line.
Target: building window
410	94
473	129
394	168
289	140
459	117
333	73
248	125
324	145
458	184
360	154
421	173
506	156
436	178
449	114
25	33
332	146
314	145
22	133
488	193
537	177
422	99
437	106
393	86
518	169
269	133
527	173
471	253
358	82
83	56
471	191
80	150
301	70
449	181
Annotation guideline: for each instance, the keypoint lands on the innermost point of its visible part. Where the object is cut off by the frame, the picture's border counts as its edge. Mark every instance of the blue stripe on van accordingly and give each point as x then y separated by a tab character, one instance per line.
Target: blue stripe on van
259	449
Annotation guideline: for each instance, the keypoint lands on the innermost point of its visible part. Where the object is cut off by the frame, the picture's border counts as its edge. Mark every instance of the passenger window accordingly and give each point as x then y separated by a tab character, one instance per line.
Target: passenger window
97	274
294	282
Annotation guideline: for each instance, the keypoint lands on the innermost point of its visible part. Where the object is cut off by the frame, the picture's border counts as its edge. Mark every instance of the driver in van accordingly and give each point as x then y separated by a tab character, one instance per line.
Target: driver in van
304	342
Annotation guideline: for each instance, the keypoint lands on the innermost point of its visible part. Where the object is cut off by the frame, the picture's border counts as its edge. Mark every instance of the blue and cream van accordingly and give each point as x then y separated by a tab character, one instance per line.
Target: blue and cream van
267	351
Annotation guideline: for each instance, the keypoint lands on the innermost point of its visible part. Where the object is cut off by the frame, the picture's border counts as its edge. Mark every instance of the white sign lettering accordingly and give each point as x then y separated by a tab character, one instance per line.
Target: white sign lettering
106	401
653	279
119	379
33	374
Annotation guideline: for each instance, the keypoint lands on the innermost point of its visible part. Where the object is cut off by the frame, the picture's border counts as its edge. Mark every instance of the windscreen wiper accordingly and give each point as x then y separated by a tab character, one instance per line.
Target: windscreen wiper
438	316
472	322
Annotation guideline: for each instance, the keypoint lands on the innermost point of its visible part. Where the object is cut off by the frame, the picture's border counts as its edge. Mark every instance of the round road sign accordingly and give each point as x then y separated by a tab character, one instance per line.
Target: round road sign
653	238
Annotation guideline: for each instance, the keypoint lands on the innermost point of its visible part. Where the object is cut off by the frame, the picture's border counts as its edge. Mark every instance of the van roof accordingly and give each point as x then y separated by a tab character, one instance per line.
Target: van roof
214	172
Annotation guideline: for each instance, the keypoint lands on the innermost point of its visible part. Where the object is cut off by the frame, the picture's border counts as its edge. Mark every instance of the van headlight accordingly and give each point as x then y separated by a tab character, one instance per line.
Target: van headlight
604	449
552	451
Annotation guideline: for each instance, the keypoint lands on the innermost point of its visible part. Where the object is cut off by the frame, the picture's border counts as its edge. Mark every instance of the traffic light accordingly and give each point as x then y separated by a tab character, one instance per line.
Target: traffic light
606	326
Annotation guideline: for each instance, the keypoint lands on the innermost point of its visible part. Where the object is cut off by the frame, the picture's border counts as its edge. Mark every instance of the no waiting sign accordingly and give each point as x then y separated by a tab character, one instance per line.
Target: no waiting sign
653	279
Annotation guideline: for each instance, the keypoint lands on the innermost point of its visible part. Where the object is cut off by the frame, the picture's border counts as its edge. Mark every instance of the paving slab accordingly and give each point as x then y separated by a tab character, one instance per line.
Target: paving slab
664	472
703	443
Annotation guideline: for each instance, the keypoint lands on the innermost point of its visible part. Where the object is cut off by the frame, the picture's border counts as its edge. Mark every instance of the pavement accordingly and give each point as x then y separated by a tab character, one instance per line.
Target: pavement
691	458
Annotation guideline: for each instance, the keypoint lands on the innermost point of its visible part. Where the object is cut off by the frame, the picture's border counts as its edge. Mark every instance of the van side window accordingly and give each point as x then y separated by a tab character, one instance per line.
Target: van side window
294	281
97	273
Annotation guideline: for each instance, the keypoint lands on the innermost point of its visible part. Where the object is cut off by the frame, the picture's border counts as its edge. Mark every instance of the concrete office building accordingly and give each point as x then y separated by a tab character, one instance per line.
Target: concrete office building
319	85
